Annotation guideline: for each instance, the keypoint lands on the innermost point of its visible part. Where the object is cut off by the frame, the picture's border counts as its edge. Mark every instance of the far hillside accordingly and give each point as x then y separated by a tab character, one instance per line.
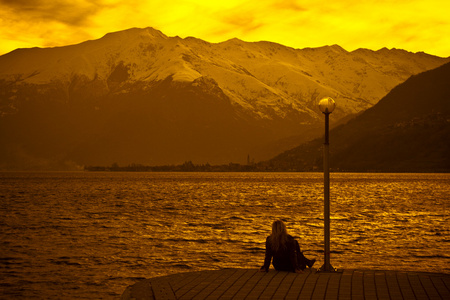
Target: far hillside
406	131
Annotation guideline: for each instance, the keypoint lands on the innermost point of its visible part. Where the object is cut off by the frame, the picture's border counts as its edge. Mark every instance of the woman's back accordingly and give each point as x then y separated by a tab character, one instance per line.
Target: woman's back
284	257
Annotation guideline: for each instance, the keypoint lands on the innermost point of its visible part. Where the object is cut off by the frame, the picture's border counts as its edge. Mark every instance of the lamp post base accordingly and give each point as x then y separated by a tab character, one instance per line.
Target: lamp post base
327	268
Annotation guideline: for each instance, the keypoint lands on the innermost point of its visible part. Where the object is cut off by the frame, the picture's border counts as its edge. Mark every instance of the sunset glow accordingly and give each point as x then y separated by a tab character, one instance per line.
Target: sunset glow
413	25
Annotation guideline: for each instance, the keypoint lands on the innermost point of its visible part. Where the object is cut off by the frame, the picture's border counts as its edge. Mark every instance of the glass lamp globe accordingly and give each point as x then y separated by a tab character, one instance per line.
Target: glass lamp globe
327	105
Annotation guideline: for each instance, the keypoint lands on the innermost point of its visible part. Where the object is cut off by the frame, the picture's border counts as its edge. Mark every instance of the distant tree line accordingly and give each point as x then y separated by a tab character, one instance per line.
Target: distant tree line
265	166
187	166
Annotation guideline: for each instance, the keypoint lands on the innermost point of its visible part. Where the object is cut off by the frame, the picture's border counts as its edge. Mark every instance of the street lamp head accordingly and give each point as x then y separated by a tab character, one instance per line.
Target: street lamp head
327	105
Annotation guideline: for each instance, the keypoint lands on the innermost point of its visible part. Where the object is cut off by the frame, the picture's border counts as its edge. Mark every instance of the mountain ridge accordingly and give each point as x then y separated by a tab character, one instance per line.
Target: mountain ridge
118	39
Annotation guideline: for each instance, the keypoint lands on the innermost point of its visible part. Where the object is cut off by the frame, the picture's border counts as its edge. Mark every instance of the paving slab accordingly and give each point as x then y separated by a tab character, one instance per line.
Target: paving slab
252	284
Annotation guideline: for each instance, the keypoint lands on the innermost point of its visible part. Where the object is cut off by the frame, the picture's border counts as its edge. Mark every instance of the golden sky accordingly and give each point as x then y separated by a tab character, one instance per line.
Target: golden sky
413	25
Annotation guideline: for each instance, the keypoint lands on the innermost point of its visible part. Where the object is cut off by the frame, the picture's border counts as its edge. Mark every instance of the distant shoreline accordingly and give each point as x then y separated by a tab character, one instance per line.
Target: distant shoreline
235	167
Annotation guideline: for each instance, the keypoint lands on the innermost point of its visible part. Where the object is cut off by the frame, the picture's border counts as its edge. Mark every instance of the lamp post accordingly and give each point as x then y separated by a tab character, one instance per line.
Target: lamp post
326	105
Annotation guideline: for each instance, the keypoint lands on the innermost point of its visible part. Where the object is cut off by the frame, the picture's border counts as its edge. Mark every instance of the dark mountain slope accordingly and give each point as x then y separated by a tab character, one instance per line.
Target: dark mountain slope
152	126
406	131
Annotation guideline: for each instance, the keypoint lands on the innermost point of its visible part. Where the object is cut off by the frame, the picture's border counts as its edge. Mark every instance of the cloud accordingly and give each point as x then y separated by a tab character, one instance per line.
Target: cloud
73	13
248	20
46	23
288	5
244	23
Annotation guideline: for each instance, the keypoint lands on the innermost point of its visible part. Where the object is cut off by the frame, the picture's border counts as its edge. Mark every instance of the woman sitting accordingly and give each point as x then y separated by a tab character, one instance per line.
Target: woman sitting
285	251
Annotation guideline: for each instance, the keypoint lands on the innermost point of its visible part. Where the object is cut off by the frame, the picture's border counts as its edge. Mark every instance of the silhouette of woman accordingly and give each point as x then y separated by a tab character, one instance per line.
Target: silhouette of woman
285	251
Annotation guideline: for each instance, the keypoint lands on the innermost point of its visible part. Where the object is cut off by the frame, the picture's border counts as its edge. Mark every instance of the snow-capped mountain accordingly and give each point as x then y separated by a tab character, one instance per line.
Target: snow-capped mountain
186	99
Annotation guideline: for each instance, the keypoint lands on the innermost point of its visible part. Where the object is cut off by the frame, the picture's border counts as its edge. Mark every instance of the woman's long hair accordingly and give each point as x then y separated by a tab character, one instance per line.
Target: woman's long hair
279	235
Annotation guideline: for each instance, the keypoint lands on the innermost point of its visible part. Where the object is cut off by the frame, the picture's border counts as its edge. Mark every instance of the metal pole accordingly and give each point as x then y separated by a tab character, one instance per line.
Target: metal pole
326	191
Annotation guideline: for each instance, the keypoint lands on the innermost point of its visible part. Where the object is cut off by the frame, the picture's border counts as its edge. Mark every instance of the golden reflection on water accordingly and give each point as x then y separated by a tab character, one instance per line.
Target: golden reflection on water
98	232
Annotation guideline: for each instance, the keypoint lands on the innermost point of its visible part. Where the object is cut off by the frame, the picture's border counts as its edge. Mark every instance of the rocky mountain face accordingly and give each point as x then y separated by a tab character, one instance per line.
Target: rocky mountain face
138	96
406	131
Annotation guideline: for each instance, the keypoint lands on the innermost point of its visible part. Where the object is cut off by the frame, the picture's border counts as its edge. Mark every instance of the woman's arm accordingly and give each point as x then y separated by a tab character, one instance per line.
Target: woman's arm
268	256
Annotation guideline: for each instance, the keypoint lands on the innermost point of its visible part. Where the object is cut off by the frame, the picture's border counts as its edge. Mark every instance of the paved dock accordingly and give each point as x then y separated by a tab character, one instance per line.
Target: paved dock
251	284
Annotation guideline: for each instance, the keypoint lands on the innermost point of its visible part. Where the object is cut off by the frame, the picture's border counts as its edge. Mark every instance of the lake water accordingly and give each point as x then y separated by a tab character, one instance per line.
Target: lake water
90	235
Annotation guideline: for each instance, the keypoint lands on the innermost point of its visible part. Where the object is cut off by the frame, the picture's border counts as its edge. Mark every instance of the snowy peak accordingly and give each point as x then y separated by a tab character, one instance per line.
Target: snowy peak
133	33
90	58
